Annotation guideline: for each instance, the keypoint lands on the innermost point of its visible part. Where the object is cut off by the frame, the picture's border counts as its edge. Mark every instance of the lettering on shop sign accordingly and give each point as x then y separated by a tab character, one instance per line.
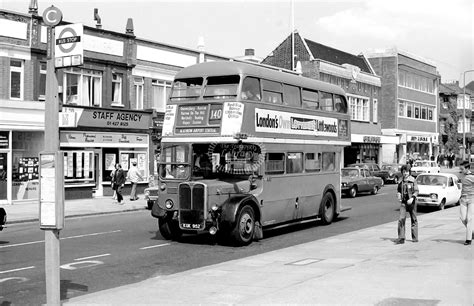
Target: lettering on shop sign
371	139
420	139
117	119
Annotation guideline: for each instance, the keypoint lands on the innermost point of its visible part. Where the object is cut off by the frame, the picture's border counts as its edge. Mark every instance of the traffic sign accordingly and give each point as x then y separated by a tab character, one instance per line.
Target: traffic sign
52	16
68	47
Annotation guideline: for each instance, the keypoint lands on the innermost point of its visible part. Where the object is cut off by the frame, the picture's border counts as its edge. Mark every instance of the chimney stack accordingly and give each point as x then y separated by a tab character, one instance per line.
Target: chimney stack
98	25
250	52
33	8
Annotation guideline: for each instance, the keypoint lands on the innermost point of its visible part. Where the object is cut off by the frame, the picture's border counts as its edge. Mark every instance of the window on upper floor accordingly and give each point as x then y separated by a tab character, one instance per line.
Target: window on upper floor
160	94
82	87
414	110
42	81
417	82
117	89
138	88
16	79
359	108
375	110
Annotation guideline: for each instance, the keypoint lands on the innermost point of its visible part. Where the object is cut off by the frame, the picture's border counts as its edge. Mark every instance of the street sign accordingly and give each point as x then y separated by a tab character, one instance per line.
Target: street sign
68	45
52	16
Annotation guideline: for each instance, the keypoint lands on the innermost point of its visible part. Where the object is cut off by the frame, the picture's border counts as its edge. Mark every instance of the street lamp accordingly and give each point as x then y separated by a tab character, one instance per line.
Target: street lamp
464	115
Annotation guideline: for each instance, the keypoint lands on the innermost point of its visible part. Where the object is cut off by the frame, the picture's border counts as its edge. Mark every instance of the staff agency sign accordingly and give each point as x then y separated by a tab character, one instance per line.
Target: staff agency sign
69	50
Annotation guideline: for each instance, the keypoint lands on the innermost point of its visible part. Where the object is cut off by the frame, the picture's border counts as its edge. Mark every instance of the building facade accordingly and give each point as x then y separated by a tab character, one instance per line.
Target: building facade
409	107
112	106
356	76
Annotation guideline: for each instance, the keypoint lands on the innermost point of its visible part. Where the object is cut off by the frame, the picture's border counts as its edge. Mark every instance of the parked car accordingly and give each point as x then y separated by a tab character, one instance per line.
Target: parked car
151	193
374	170
356	179
424	166
3	218
394	172
438	189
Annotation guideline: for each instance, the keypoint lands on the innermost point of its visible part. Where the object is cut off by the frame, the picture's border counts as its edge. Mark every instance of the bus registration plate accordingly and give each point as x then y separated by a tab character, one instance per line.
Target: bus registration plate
191	226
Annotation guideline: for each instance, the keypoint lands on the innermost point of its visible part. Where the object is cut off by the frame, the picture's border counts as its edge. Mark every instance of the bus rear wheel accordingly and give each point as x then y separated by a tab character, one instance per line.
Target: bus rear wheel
327	208
169	228
244	227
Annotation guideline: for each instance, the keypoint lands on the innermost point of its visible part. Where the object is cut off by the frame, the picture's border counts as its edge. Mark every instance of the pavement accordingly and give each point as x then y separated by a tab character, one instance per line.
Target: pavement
362	267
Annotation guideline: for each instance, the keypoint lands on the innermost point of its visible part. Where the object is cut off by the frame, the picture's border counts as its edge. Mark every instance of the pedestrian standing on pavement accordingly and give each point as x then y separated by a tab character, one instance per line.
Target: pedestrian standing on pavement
119	183
407	192
467	200
112	174
134	176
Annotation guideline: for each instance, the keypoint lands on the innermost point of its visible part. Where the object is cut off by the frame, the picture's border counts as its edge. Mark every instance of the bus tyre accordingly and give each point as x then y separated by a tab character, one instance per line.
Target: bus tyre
327	208
169	228
244	227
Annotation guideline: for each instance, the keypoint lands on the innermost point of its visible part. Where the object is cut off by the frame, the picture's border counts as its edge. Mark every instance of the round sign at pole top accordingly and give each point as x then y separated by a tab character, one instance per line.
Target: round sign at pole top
52	16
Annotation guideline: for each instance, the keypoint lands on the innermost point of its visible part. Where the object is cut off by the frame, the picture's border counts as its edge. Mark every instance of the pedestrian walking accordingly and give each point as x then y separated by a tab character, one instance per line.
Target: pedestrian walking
119	183
134	176
407	192
112	174
467	200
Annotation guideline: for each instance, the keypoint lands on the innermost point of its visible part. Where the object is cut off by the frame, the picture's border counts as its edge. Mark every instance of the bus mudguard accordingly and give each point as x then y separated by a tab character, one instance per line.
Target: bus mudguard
231	206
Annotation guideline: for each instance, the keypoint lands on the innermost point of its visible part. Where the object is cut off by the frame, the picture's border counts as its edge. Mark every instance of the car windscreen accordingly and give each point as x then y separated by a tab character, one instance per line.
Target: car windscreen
433	180
349	172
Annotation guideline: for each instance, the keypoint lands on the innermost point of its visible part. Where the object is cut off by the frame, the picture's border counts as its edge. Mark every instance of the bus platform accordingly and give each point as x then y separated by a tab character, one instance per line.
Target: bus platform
362	267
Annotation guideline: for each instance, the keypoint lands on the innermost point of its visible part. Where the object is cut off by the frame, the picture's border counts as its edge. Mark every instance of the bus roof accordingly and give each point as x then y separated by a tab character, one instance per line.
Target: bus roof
220	68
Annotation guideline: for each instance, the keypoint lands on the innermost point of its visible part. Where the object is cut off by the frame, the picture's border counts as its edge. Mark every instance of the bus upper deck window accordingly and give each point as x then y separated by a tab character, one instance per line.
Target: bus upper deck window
251	89
186	89
326	101
310	99
221	87
340	104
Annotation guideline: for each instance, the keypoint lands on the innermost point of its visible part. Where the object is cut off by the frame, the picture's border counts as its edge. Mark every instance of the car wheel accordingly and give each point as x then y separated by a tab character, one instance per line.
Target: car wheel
327	208
375	190
244	227
442	204
353	192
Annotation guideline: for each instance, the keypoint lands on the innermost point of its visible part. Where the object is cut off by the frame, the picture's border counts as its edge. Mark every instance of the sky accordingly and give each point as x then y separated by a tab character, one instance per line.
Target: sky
440	31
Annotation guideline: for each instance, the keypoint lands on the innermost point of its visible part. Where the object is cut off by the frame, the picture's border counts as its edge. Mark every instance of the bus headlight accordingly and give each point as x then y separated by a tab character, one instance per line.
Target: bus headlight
169	204
162	186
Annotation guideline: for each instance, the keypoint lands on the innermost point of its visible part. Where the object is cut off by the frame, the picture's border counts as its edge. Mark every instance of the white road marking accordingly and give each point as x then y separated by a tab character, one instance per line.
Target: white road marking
95	256
19	269
41	241
81	264
18	279
155	246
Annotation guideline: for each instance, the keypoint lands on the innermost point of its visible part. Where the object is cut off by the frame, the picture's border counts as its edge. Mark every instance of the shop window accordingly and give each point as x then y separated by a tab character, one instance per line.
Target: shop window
294	163
140	157
79	167
312	162
117	89
16	79
42	81
160	94
275	163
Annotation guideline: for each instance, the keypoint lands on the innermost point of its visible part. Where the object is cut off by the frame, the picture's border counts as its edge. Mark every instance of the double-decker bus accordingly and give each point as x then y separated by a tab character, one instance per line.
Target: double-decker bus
246	147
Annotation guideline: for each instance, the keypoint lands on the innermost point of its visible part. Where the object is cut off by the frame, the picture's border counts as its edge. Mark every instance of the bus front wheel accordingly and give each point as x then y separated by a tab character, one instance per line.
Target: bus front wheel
244	227
327	208
169	228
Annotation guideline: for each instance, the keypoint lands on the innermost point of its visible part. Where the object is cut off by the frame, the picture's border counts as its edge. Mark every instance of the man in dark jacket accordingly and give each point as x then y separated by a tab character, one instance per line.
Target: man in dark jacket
407	192
118	182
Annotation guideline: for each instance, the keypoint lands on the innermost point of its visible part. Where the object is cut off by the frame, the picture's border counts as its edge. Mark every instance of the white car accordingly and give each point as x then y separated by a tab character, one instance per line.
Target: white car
424	166
438	189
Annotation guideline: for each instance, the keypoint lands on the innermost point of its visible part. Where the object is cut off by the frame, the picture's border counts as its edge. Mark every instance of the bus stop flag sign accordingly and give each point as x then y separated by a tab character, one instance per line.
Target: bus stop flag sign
68	47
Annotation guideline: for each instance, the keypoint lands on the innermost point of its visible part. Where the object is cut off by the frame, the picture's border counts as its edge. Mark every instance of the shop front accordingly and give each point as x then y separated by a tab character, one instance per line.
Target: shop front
419	147
363	149
97	143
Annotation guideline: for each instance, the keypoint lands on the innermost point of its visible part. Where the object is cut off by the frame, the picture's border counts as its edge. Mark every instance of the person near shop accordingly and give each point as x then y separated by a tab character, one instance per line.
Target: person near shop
134	177
118	182
467	200
112	174
407	192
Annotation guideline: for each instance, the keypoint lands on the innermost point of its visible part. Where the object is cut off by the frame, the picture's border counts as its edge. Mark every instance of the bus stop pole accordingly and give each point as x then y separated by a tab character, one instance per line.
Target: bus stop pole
51	143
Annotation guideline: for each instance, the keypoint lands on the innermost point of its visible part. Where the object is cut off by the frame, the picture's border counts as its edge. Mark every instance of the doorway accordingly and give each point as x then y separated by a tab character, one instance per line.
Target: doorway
3	176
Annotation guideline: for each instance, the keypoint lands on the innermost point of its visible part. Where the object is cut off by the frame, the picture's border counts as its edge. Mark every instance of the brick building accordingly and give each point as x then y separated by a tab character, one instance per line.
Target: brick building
409	106
362	85
112	105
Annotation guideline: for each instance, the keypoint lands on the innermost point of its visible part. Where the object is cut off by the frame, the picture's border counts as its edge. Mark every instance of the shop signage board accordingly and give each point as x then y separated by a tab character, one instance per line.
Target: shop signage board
425	139
104	118
102	139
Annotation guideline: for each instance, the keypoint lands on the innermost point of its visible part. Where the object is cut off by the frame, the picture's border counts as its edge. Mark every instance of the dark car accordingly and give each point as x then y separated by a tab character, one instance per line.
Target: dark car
374	170
394	172
357	179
